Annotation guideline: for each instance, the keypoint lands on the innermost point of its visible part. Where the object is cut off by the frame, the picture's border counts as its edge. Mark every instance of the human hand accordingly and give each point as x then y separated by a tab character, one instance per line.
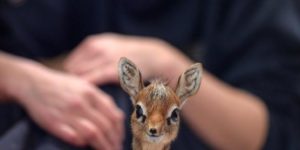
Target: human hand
95	59
71	108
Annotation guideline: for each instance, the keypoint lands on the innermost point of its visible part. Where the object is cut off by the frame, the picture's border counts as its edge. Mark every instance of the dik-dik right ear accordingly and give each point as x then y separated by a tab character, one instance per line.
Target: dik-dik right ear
189	82
130	77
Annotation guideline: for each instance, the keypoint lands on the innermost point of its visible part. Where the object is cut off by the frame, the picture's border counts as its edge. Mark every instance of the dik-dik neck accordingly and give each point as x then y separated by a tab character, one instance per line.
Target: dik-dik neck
142	145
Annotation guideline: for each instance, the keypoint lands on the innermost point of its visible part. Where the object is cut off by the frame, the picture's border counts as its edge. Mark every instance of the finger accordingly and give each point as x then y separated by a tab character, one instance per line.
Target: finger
96	62
60	128
101	101
104	103
121	127
74	57
90	133
106	74
97	145
67	134
103	123
84	52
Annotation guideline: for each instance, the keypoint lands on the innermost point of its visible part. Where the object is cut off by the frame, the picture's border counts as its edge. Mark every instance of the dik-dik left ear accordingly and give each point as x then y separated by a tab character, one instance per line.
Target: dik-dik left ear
130	77
189	82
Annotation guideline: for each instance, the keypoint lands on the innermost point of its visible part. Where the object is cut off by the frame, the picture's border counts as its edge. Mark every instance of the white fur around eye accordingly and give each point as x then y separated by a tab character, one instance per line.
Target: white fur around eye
144	111
171	109
143	107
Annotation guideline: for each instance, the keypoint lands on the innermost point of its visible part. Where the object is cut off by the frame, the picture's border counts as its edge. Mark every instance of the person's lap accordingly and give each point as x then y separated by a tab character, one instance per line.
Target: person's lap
18	132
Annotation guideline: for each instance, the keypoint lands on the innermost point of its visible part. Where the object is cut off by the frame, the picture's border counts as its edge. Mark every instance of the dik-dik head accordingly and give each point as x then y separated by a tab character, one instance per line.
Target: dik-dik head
156	107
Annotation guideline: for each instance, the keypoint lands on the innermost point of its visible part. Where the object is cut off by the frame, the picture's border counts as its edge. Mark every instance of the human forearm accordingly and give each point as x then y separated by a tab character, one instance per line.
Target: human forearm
18	76
13	72
226	117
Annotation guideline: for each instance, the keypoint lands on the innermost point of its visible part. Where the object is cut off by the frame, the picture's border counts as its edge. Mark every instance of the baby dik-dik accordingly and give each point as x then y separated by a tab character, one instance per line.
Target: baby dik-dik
155	120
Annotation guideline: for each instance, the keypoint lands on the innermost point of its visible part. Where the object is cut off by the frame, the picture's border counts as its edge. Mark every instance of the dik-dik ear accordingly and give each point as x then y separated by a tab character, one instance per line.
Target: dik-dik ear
130	77
189	82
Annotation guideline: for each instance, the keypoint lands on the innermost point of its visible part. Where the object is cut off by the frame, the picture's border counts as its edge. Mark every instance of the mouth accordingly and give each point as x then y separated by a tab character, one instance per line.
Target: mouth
154	138
153	135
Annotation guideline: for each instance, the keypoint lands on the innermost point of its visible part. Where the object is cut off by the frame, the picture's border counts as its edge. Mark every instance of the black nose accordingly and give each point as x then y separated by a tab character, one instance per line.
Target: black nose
153	131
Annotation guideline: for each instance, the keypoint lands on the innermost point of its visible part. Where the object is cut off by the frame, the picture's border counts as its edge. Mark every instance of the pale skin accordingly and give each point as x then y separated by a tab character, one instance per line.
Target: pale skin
63	104
224	116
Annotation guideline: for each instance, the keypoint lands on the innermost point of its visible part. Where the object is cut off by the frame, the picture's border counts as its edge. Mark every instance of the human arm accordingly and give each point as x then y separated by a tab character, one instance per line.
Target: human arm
64	105
227	117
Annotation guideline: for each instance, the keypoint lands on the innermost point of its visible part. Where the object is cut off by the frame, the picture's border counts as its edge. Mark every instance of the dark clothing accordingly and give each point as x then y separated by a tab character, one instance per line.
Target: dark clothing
250	44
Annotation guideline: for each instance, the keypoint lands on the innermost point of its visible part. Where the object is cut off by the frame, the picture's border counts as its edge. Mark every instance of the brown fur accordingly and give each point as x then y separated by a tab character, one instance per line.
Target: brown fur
157	109
157	102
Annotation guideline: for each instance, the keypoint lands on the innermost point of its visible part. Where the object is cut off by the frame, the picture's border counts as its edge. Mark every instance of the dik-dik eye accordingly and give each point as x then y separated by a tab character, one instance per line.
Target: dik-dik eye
139	112
174	116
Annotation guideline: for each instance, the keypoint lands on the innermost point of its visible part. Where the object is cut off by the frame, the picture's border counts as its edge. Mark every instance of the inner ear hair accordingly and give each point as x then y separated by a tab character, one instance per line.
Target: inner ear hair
130	77
189	82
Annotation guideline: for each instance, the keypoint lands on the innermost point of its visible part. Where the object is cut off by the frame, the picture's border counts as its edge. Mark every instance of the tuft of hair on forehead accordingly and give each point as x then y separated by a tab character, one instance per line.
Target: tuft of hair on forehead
158	96
159	91
158	88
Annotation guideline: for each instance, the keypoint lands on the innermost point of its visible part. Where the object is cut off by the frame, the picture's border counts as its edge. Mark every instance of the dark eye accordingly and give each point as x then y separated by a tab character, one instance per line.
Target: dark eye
139	113
175	115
